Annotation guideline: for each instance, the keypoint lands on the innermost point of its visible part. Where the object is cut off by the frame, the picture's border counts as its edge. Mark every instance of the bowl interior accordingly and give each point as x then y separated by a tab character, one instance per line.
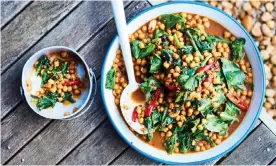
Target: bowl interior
57	112
256	102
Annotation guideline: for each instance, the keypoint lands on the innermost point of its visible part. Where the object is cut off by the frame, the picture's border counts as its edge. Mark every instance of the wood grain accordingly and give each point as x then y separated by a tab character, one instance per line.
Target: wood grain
34	22
10	9
132	157
258	149
94	53
60	137
21	125
100	148
71	32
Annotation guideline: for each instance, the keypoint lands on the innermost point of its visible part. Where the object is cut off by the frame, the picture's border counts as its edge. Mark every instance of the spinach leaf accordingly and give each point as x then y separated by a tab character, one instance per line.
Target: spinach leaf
196	122
165	120
237	48
167	54
230	112
68	96
150	85
170	143
204	107
200	135
170	20
64	68
185	142
45	76
185	75
42	61
160	34
156	63
149	126
216	124
110	78
233	74
146	51
47	101
186	49
214	38
193	82
221	76
176	41
139	53
219	100
135	48
152	123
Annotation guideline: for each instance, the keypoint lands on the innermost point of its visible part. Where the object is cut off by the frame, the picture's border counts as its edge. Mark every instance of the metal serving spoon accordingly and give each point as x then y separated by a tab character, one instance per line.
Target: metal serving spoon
126	103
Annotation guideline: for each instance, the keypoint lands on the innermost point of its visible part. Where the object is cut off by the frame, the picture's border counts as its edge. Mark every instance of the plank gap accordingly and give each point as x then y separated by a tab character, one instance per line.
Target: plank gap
13	108
15	15
273	162
39	39
81	141
30	140
119	156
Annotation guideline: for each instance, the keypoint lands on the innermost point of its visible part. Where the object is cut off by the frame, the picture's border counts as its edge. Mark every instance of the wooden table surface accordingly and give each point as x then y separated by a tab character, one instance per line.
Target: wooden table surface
87	27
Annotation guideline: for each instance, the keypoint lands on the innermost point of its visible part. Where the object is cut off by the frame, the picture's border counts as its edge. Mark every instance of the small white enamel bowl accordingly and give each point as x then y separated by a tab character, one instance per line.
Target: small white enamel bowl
57	112
246	125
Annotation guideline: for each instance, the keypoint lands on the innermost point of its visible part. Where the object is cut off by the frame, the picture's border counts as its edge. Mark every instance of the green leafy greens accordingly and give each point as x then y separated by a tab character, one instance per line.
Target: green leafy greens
110	79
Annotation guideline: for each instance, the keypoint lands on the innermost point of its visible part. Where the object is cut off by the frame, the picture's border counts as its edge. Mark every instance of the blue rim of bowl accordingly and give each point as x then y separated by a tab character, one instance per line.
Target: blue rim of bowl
253	122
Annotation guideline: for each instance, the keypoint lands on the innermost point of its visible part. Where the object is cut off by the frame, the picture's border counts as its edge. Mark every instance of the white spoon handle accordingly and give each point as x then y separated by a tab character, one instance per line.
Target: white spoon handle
119	15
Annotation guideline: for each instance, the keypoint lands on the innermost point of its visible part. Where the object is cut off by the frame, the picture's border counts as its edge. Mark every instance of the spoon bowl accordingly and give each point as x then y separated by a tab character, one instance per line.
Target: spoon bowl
126	103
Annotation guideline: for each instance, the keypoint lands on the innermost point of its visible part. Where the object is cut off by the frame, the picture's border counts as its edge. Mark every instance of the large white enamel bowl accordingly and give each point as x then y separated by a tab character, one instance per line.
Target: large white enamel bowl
247	124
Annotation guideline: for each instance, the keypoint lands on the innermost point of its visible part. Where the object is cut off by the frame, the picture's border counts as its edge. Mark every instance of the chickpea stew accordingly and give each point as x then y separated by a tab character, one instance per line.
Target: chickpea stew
196	78
58	81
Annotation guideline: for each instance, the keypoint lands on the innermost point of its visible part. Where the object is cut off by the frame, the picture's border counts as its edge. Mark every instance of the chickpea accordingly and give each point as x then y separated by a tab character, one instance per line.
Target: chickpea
66	113
202	148
162	134
200	127
42	91
56	63
60	99
179	123
168	134
53	89
176	150
77	92
141	120
59	86
218	141
197	59
59	91
162	26
144	29
64	54
141	36
170	38
69	89
166	64
50	81
197	149
141	45
188	104
214	137
227	34
29	82
144	62
170	126
37	93
175	56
